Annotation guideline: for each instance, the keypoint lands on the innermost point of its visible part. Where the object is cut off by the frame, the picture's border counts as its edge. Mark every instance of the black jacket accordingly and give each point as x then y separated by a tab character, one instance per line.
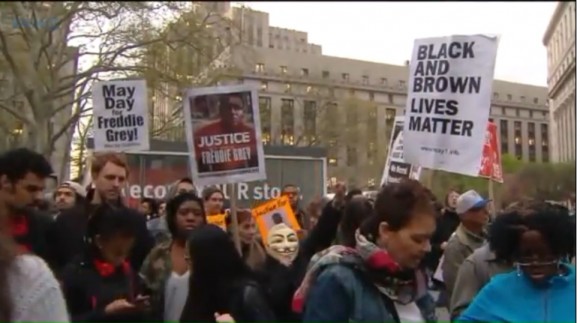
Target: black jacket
68	232
447	223
87	292
281	282
38	236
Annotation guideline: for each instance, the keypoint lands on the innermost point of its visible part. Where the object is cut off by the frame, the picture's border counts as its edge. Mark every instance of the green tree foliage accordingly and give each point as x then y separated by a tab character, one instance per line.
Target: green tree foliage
534	180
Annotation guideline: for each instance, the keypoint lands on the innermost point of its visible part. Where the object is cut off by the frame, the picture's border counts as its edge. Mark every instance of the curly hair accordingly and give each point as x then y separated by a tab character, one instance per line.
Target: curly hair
556	227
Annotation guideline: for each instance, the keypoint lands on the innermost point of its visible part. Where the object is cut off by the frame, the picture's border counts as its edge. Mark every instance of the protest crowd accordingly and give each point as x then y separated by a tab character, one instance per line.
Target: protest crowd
401	255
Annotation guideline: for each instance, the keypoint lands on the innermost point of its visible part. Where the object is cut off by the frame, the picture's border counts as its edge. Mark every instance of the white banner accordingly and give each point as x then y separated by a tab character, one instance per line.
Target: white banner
224	135
448	102
395	166
121	121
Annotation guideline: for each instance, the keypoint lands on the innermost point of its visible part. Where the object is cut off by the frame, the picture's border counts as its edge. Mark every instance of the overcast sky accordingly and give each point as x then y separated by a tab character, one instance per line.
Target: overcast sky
384	31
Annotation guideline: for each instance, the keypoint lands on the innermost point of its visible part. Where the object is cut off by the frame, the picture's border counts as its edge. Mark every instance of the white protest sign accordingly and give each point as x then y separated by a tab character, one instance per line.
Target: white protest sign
120	115
448	102
396	168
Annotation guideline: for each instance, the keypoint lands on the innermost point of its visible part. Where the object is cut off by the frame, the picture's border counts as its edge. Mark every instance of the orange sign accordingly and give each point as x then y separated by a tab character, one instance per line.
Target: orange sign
273	212
491	159
218	219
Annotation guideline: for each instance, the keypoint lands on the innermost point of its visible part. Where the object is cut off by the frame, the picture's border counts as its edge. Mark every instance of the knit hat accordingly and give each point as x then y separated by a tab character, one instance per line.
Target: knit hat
76	187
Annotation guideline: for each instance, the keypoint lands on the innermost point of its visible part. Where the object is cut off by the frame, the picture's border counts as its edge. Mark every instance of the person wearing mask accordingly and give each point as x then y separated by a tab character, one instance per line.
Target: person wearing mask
543	287
469	235
22	181
69	195
28	290
100	285
109	172
378	280
253	251
148	207
220	282
165	270
484	262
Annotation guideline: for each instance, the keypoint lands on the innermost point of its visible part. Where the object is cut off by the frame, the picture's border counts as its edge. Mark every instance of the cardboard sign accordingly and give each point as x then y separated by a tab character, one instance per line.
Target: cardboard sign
491	160
274	212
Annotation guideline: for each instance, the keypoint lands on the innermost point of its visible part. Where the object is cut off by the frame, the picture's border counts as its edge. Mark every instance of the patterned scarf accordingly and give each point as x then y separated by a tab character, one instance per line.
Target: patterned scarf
400	286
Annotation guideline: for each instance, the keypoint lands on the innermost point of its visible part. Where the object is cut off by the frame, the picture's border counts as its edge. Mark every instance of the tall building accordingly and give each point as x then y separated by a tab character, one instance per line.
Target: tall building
560	42
349	106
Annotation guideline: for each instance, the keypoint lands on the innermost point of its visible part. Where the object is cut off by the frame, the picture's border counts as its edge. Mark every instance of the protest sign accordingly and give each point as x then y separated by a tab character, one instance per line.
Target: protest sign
217	219
450	87
223	134
273	212
120	115
491	161
396	168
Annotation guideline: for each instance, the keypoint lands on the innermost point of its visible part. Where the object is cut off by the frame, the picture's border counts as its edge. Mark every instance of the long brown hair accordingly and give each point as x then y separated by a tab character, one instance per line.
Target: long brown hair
7	255
255	256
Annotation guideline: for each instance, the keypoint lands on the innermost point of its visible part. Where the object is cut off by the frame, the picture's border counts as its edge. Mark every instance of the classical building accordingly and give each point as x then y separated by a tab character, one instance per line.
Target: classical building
348	106
560	42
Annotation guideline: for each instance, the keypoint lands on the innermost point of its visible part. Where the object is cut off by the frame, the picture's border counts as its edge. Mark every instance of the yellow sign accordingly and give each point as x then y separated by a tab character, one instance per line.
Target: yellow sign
273	212
218	219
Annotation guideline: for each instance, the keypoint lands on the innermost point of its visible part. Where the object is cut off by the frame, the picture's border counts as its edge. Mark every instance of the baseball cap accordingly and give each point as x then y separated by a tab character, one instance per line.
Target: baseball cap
76	187
470	200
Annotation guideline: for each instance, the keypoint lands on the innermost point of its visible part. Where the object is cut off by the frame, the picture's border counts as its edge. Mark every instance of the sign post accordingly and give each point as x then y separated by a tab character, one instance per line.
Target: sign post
233	192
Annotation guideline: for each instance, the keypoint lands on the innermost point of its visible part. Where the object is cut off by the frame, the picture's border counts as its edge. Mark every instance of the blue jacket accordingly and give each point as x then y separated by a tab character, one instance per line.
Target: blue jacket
511	297
343	294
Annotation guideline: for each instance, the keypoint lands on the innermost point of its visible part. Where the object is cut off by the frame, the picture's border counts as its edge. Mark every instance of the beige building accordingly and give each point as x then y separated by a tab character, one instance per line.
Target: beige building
560	42
348	106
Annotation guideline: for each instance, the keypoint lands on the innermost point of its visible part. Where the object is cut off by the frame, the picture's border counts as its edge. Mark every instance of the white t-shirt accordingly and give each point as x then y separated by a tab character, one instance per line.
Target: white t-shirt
35	293
176	290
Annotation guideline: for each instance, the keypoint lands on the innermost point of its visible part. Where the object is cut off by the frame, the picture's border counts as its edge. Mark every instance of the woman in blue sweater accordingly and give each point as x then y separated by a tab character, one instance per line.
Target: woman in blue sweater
542	288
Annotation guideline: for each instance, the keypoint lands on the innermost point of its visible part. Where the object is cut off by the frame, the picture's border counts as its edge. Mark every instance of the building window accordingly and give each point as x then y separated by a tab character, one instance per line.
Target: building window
402	84
517	112
283	70
503	111
308	89
332	160
517	140
535	100
288	88
365	80
265	119
310	119
523	98
260	68
371	96
390	117
351	92
383	81
495	95
325	74
264	86
345	76
509	97
351	156
531	114
304	72
287	122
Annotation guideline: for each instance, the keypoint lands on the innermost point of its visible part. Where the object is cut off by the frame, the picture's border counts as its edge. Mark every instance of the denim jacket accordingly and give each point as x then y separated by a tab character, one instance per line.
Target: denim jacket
343	294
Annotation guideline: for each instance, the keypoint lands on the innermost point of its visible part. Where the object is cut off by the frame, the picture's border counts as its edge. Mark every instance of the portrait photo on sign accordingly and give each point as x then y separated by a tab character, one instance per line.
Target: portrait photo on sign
223	130
272	213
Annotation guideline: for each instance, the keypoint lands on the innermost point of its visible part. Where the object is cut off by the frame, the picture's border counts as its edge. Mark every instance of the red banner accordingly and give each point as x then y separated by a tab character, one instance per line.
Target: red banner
491	159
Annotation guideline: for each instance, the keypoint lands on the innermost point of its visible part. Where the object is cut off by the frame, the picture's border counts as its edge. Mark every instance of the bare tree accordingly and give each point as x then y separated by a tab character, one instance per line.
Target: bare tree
79	147
56	50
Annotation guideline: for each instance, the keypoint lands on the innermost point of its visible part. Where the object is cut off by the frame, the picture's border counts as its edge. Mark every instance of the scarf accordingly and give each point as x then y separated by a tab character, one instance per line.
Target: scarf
402	286
19	229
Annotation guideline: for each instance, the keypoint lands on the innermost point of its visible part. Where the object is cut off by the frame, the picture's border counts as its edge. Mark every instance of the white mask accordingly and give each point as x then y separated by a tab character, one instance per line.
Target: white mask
282	243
